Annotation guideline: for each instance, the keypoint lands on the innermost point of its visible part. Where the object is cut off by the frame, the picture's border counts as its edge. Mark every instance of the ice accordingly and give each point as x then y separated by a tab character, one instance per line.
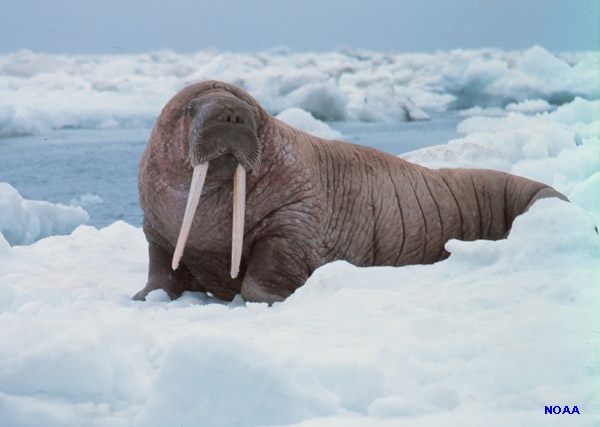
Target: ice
561	148
86	200
467	337
303	120
24	221
238	374
41	92
495	332
496	79
325	101
531	106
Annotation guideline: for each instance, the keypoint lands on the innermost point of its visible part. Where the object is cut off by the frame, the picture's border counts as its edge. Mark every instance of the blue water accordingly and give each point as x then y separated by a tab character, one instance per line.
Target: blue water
66	164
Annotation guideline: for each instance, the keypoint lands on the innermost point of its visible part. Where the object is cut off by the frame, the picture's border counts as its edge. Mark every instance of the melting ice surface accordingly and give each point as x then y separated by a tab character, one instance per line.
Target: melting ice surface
496	332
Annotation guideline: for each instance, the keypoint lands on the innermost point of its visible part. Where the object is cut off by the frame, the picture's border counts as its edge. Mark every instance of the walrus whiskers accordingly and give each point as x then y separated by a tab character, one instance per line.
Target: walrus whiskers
198	178
239	207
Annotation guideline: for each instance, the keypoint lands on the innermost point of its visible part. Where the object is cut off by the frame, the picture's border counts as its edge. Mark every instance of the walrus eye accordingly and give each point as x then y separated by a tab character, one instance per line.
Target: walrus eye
191	110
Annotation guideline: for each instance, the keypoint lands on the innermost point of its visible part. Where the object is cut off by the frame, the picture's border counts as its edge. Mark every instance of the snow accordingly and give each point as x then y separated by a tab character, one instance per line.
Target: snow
496	332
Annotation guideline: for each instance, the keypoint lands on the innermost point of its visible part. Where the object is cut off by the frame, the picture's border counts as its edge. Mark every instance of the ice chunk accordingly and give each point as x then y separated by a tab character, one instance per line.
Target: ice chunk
22	222
303	120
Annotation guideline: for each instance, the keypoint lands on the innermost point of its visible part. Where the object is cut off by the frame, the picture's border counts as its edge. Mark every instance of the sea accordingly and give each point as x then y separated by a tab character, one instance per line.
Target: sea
97	168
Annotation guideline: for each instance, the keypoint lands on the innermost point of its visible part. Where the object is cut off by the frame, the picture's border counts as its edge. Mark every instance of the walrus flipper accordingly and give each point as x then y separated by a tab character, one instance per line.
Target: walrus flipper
162	276
276	269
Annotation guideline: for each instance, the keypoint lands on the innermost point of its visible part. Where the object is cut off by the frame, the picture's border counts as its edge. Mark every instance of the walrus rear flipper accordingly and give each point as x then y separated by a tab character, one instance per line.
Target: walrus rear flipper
522	205
545	193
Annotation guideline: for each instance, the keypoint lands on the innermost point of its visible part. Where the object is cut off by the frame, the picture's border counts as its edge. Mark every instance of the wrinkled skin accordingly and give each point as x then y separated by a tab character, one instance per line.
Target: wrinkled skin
309	201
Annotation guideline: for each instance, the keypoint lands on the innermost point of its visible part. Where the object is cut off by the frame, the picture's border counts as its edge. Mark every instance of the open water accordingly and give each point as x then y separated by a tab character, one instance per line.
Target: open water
97	169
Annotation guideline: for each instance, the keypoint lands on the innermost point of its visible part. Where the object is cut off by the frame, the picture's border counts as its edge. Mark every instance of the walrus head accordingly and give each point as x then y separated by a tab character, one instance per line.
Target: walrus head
223	135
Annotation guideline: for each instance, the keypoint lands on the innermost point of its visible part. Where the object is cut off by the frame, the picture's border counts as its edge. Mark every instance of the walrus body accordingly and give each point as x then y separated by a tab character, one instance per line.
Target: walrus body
308	201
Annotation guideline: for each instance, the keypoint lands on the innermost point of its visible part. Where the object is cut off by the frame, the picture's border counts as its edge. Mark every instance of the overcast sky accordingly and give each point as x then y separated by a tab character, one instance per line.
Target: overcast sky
131	26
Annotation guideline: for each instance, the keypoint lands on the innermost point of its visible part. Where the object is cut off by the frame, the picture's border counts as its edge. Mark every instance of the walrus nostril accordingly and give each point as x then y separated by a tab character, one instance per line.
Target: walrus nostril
229	116
234	118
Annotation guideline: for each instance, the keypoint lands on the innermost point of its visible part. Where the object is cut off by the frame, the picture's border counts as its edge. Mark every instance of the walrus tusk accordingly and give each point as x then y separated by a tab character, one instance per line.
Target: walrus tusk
198	178
239	207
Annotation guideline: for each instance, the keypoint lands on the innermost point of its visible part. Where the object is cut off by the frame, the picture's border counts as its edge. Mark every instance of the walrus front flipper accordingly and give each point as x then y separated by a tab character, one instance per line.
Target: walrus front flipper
161	276
276	269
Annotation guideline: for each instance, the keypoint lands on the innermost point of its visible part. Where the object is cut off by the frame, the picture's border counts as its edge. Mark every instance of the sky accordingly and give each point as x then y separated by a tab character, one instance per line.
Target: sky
134	26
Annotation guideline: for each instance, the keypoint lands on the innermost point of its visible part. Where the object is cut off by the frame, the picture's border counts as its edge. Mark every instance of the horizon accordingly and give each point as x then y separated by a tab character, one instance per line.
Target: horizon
67	27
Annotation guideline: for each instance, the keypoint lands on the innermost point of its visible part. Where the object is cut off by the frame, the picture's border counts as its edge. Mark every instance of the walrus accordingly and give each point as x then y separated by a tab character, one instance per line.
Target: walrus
221	176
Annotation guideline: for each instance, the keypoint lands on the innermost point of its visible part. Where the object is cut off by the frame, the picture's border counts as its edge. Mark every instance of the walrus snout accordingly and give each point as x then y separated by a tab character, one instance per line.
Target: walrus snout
223	127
